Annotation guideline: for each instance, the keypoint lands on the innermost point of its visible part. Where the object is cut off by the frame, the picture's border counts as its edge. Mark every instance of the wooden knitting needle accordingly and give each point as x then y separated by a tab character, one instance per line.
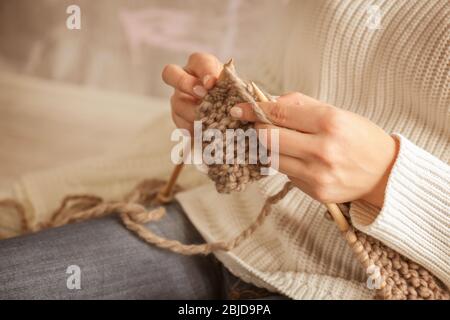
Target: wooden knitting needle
334	210
165	194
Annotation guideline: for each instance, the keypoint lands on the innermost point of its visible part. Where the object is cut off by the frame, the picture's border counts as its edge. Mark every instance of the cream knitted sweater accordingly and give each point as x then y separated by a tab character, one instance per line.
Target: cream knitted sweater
398	76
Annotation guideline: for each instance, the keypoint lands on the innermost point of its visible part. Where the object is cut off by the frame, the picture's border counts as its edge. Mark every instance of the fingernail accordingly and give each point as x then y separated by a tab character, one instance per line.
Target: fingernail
199	91
205	80
236	112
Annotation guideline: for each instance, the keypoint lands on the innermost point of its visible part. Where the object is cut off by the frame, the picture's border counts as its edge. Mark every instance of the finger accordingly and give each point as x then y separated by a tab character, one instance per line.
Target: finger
294	111
182	123
186	97
294	167
205	67
184	105
179	79
289	142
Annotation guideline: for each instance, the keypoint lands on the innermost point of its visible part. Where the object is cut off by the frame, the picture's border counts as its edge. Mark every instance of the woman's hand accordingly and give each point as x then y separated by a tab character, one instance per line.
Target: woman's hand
333	155
191	84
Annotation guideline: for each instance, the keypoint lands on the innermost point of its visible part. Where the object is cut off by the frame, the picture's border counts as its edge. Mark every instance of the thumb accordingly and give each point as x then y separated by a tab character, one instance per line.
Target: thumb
246	112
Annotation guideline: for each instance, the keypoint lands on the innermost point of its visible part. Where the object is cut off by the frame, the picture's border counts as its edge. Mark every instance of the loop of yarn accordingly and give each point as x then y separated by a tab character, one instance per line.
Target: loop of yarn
135	214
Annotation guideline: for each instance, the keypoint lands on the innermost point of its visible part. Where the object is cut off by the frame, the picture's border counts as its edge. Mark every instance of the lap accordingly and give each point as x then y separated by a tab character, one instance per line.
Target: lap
113	262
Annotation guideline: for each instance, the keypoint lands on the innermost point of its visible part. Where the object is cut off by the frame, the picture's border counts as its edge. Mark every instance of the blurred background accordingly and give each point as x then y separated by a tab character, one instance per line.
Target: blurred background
69	94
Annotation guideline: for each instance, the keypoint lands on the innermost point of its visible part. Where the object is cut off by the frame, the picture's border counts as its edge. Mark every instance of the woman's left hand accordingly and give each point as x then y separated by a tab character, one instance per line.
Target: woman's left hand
331	154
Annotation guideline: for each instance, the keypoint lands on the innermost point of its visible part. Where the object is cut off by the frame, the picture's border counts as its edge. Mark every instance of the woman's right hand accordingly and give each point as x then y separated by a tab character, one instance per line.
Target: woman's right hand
191	84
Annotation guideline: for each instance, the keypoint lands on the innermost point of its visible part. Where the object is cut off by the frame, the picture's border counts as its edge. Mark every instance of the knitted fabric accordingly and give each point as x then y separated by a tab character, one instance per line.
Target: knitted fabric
214	113
402	278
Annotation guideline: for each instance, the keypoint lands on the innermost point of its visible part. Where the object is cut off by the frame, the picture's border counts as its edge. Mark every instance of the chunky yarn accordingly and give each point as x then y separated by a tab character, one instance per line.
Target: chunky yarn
398	277
391	275
214	113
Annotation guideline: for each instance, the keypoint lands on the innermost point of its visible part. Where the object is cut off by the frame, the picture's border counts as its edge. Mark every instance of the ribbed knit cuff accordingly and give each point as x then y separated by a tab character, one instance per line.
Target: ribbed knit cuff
415	217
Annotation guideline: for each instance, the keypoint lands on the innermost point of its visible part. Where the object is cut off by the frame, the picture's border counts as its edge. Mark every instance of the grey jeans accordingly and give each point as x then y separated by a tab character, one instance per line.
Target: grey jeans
101	259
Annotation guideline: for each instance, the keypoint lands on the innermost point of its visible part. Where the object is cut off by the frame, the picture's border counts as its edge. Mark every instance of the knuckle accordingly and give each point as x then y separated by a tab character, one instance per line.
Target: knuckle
321	194
326	151
332	120
322	180
196	56
183	82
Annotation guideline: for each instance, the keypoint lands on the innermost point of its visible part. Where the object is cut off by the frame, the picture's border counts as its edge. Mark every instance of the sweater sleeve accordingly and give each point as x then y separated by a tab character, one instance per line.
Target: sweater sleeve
415	217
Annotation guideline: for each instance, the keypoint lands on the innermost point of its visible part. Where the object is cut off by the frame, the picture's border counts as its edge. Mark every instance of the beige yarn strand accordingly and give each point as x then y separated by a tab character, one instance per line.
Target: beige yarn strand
207	248
134	215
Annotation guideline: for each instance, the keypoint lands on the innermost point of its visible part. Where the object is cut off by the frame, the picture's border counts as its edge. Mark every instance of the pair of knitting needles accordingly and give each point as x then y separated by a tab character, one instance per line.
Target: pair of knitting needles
165	195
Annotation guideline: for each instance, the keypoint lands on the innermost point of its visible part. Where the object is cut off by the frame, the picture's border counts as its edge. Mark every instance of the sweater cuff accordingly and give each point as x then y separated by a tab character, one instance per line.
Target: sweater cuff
414	219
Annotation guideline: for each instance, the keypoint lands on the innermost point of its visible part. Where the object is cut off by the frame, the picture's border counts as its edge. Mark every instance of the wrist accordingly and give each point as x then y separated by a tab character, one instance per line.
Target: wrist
376	195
